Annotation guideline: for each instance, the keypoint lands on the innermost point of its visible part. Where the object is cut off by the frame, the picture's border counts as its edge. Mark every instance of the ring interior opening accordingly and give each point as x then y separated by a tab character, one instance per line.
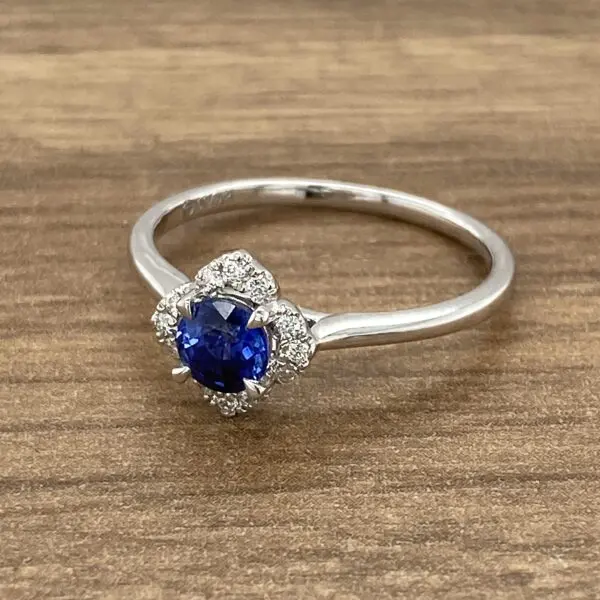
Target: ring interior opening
341	329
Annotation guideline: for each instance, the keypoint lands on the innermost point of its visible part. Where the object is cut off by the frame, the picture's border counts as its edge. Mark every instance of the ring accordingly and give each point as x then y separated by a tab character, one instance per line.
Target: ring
229	330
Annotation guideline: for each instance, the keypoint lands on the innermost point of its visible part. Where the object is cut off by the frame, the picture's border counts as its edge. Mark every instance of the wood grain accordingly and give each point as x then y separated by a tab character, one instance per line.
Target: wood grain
463	467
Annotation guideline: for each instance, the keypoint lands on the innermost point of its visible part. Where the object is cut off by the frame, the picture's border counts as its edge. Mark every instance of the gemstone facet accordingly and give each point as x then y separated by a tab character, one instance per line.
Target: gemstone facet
218	347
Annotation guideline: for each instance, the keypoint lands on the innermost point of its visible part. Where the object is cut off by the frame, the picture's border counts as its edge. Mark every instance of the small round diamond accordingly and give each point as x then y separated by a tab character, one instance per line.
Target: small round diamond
209	279
218	347
292	328
260	287
296	353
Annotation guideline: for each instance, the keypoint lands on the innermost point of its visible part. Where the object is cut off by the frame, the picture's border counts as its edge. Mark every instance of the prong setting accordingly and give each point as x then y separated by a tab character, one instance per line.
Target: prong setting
184	305
263	315
254	389
237	277
181	374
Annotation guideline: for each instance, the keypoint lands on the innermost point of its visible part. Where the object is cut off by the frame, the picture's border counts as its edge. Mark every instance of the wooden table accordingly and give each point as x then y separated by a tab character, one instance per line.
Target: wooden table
463	467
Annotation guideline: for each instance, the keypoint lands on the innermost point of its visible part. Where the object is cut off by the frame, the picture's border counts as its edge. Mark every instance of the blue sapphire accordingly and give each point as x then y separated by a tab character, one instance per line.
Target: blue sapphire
218	347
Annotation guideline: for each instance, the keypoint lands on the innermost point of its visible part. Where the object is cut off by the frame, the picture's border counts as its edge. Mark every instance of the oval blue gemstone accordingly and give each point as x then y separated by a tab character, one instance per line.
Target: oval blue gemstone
218	347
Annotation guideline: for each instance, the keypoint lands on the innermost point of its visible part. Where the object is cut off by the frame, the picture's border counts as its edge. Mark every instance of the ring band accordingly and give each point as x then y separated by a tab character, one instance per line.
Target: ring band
233	335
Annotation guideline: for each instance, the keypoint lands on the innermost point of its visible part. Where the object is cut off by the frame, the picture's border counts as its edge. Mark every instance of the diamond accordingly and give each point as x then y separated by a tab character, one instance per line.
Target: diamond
236	268
292	327
218	347
209	279
298	354
261	287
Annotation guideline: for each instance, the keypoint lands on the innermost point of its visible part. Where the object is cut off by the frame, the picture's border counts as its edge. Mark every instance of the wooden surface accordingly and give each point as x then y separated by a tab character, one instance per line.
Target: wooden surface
463	467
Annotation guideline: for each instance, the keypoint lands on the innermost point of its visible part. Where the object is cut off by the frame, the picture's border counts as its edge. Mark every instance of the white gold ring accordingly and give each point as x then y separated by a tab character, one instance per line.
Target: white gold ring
228	329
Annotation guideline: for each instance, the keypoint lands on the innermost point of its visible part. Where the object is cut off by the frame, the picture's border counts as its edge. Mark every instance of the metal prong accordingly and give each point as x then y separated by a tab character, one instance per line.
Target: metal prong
228	291
262	316
180	374
184	305
253	388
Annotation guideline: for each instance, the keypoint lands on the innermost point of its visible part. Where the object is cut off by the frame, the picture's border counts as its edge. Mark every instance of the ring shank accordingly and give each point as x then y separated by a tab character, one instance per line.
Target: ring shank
339	330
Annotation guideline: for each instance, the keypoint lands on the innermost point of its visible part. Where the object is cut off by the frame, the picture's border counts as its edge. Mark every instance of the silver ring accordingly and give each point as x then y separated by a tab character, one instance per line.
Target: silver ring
228	329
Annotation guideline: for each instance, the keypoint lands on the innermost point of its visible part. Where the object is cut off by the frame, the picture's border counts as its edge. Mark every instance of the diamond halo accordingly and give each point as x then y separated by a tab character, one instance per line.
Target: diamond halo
241	278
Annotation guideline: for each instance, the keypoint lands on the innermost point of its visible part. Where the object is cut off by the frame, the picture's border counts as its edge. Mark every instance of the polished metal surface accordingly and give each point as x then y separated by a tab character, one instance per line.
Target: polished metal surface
339	330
